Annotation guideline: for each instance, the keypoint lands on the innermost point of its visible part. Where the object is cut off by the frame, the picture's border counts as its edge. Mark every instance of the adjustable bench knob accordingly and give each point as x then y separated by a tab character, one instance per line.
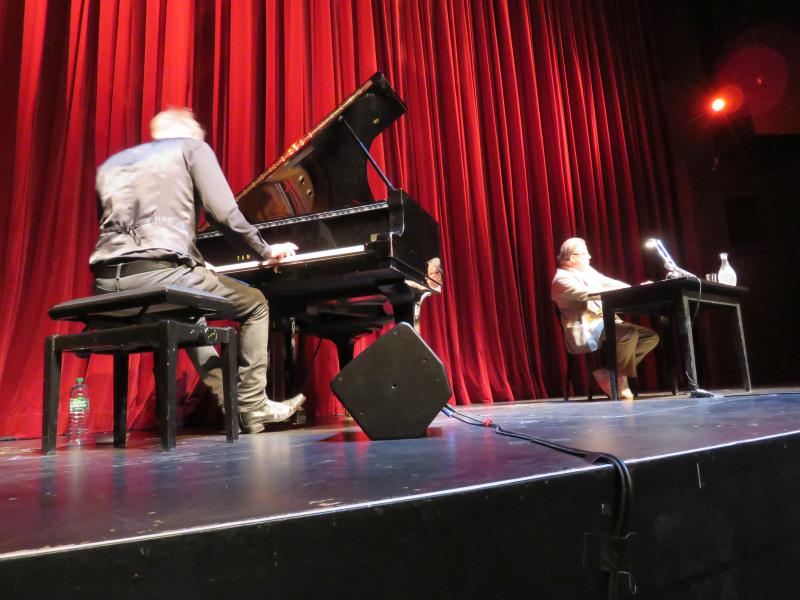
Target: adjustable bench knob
209	334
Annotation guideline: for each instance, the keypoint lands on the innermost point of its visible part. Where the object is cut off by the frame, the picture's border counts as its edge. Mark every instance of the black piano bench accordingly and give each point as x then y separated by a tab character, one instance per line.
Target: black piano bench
159	320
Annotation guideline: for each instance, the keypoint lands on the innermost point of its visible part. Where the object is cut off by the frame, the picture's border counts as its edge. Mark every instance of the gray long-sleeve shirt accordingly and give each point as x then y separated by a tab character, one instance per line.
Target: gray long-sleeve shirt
149	195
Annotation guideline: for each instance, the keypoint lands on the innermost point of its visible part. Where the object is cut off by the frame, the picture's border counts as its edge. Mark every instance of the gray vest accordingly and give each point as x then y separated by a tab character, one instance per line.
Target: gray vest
148	196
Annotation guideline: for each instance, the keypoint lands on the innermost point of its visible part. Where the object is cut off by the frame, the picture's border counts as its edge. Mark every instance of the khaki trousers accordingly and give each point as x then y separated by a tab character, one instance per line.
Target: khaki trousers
633	344
250	309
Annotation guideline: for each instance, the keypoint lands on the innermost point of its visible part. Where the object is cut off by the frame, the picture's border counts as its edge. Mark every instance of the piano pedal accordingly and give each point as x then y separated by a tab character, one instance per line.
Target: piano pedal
299	417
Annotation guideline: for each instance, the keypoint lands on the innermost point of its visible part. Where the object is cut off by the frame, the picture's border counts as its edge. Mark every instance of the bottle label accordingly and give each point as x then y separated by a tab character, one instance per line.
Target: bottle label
79	403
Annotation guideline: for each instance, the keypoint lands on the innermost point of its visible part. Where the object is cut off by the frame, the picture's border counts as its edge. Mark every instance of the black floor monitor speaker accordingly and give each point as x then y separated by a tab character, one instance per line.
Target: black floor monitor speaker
395	388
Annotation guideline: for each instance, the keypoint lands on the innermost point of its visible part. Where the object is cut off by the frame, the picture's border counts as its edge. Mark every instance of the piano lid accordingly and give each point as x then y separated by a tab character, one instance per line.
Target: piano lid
325	169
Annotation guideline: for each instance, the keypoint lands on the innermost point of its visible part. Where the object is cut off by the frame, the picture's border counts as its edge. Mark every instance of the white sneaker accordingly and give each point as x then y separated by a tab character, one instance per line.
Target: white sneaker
624	391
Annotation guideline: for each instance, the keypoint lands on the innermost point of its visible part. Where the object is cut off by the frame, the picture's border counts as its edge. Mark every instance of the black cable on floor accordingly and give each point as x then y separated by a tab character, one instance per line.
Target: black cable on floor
623	475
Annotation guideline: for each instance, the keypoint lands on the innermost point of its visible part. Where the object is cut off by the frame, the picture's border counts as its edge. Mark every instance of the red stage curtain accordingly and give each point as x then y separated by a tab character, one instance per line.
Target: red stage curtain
528	122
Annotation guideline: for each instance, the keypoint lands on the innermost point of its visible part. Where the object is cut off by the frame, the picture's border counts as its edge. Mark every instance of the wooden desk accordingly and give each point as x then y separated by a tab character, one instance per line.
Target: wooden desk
674	298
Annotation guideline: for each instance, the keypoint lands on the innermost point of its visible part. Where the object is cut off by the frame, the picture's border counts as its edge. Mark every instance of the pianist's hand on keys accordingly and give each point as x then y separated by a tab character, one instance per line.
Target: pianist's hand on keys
278	253
284	250
294	259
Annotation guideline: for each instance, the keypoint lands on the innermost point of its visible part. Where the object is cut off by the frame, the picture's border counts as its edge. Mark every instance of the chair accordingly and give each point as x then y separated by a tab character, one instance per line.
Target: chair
159	320
572	360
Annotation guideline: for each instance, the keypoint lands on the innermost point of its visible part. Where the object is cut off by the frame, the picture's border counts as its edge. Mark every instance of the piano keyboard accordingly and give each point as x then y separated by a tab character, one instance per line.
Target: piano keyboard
297	258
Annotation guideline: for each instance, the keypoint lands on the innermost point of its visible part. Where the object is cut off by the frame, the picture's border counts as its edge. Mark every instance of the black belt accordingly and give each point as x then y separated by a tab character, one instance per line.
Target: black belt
132	267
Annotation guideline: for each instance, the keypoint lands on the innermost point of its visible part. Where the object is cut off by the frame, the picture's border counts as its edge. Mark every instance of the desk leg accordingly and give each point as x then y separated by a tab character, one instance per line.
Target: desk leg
610	329
684	319
741	349
667	353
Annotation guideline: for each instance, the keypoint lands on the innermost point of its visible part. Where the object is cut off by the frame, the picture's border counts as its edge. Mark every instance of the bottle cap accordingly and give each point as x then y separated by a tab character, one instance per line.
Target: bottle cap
79	380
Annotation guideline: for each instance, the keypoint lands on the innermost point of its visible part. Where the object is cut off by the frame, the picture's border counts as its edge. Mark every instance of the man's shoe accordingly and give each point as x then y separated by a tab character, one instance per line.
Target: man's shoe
624	391
295	402
603	380
273	412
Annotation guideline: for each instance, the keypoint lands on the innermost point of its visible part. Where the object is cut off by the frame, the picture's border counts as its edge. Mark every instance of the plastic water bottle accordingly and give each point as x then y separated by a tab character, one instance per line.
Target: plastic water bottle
726	273
79	414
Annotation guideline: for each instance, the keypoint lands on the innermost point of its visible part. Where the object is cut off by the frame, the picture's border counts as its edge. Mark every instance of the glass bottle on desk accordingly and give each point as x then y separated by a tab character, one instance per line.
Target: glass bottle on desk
726	273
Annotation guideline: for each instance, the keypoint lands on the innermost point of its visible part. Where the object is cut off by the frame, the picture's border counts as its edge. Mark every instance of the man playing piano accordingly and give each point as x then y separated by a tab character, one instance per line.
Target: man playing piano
148	197
573	288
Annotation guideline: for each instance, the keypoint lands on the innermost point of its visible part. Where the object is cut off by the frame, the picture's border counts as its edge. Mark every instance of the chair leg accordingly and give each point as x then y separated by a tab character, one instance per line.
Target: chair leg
120	400
589	378
52	388
229	382
567	376
166	385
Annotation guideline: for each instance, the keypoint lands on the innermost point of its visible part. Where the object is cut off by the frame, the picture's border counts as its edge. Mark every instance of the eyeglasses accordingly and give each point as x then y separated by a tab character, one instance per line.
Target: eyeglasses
580	254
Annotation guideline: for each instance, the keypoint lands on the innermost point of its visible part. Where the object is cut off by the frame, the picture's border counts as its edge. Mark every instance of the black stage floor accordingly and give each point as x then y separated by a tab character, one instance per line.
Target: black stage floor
461	512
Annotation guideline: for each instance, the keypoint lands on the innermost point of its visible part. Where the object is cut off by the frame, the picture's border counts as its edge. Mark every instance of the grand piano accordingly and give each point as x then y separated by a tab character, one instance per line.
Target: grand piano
357	255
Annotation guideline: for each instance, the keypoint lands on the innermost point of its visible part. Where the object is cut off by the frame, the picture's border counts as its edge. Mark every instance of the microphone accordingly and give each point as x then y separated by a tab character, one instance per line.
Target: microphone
673	270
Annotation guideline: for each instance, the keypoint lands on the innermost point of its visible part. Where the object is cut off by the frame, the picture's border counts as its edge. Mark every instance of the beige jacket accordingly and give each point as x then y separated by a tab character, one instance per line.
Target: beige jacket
581	317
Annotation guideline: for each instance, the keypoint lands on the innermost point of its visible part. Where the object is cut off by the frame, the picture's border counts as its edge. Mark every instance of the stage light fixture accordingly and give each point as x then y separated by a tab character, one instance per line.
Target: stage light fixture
718	104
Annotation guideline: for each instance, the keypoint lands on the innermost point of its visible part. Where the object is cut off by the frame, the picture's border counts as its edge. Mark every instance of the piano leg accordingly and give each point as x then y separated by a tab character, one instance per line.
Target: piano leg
291	373
402	299
344	348
284	374
277	366
286	378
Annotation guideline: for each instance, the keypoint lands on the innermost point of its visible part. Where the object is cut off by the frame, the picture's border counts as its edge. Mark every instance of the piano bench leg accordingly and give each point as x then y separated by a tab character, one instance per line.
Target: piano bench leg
52	389
120	400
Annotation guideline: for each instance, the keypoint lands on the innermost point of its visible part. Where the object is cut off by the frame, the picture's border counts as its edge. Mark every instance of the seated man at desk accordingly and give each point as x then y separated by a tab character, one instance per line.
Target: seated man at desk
573	289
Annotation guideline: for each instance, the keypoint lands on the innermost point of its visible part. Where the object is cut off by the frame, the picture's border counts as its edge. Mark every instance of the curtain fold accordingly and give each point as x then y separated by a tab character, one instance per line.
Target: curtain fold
528	122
